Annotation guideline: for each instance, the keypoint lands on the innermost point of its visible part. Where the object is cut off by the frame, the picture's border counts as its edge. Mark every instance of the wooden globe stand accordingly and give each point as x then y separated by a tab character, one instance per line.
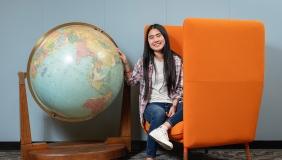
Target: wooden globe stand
111	148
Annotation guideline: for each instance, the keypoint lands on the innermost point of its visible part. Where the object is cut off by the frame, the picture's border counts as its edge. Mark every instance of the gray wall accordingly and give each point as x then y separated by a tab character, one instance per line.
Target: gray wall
24	22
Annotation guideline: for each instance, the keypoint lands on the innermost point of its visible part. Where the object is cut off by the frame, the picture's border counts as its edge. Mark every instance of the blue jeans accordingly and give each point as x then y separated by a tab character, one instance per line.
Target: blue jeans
155	114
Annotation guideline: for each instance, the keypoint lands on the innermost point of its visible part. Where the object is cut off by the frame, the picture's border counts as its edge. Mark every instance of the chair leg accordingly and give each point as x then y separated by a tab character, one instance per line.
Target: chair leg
248	153
206	150
185	153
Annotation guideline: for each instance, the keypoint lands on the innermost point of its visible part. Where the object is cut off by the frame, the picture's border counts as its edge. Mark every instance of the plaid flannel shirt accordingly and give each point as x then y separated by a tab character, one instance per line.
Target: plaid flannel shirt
137	78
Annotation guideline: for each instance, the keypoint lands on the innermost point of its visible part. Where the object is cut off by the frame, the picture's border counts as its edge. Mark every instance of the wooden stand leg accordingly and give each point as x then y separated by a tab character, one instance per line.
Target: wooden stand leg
248	153
185	153
25	133
125	126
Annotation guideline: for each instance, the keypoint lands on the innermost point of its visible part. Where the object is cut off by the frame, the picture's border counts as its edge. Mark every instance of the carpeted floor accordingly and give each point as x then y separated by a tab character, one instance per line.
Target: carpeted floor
213	154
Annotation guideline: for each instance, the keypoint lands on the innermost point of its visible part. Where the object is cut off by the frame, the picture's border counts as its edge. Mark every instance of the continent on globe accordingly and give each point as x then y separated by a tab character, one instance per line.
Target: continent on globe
97	104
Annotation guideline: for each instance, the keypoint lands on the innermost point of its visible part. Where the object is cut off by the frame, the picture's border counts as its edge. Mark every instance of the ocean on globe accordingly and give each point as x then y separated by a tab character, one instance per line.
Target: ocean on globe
74	71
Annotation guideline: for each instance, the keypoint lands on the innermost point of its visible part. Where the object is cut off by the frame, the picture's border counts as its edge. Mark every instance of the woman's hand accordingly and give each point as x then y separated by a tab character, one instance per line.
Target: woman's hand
122	57
127	69
171	112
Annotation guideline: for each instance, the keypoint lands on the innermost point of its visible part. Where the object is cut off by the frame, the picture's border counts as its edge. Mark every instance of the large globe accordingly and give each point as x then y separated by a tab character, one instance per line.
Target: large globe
74	71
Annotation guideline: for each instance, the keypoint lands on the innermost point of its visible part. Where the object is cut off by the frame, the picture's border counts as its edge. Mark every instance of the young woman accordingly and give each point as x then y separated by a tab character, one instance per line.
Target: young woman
159	73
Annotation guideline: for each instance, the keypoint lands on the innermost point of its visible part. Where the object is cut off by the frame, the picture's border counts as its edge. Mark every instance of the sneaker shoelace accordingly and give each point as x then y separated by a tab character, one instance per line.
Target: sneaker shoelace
164	134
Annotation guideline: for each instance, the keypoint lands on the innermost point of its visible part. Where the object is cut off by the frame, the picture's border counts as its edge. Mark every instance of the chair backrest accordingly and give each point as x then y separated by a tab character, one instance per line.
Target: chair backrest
223	80
175	37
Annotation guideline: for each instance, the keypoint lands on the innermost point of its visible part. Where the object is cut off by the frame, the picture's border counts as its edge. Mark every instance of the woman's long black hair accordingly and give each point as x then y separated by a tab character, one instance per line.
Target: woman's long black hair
169	63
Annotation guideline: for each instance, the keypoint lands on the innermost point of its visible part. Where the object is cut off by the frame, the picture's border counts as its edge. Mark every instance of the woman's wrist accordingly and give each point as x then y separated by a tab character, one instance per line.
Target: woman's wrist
125	64
128	71
127	68
174	106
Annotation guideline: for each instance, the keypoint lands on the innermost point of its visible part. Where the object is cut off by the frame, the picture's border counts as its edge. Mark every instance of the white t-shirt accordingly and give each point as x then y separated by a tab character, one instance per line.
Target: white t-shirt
159	88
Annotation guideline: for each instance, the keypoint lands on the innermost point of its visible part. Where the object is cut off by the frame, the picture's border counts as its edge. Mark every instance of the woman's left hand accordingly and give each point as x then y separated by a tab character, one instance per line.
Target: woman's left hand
171	112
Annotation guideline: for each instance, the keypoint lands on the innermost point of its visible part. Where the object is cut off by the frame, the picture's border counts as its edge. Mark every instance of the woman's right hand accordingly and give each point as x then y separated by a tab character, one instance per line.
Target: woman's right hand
122	57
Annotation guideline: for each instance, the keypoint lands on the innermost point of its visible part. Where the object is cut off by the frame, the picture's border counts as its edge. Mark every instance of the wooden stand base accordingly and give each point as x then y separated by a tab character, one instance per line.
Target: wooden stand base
75	150
111	148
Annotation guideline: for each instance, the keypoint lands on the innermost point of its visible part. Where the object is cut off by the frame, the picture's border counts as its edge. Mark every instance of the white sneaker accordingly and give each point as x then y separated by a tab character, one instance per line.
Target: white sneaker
161	137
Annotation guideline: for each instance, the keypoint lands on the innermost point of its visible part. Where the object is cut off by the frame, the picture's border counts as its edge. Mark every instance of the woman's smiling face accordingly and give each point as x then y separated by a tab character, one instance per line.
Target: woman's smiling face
156	40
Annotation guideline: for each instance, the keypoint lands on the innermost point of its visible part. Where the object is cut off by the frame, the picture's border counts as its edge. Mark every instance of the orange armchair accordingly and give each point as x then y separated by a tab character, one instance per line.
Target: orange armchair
223	81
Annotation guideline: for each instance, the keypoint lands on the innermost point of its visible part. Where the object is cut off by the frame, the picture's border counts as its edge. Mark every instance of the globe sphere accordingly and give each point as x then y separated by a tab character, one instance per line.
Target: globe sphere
74	71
